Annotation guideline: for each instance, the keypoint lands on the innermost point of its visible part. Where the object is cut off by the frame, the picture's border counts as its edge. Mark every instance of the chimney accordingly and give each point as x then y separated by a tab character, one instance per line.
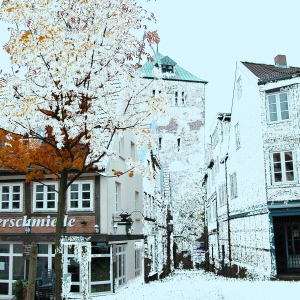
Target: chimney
280	61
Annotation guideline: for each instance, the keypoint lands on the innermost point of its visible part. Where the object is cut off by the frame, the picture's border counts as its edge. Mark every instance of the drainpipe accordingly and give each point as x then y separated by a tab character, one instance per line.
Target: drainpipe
228	221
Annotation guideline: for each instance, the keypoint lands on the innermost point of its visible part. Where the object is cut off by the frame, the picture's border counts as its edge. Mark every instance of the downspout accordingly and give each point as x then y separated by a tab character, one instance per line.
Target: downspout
228	221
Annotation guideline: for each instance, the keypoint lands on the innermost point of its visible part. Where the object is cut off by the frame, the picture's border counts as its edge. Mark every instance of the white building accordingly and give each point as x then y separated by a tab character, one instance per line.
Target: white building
253	189
180	135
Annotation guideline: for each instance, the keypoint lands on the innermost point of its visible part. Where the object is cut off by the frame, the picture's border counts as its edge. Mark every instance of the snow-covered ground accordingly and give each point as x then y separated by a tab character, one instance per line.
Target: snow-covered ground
196	285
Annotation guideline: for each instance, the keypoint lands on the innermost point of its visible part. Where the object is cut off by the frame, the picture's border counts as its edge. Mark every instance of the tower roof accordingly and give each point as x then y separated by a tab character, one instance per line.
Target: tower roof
177	74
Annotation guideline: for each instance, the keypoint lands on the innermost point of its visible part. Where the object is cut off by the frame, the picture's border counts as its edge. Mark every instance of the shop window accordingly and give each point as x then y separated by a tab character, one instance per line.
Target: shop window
45	196
81	195
11	197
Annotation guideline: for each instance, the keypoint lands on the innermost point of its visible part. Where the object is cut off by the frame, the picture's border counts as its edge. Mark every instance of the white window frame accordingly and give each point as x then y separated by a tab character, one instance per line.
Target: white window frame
80	192
117	196
233	186
121	264
137	256
45	192
10	197
237	136
278	110
283	167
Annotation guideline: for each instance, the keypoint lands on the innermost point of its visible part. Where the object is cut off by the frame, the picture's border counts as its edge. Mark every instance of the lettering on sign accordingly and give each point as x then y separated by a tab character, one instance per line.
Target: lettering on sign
35	222
27	249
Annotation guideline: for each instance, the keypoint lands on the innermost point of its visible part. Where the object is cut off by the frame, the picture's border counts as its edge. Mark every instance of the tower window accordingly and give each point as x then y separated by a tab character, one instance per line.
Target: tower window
159	143
176	98
178	144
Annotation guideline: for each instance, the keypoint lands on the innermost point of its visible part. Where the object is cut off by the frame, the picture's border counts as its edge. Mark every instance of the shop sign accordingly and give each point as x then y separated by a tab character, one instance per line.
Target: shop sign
35	222
27	249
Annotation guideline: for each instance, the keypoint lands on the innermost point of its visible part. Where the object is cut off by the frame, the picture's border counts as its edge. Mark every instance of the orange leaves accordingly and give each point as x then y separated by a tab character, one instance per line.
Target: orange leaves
117	173
25	37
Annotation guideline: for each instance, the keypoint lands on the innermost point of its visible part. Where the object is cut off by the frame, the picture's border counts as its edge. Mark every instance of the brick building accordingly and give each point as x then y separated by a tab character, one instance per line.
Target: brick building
95	201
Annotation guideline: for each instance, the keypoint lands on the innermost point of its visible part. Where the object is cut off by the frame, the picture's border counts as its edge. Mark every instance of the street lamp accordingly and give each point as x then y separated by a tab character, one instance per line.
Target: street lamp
96	228
125	220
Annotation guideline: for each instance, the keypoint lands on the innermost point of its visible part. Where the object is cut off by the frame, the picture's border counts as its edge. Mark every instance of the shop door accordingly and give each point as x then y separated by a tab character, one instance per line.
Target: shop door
287	244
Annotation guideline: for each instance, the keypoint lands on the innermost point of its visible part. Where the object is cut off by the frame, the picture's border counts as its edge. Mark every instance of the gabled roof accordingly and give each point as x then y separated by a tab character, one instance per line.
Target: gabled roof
179	74
267	73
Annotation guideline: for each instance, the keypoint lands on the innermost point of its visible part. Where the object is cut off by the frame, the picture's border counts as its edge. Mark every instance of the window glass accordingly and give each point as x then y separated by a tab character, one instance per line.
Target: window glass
4	248
18	248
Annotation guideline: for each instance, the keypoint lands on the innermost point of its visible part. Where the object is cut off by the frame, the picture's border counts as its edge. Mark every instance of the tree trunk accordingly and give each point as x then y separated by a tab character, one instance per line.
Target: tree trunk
32	273
62	199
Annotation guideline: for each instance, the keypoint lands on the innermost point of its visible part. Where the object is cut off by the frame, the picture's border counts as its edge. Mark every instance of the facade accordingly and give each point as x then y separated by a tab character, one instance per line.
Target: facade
252	203
180	134
95	201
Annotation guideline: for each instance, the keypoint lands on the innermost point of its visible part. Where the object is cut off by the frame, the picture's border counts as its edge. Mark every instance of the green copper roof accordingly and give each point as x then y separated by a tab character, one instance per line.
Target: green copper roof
180	74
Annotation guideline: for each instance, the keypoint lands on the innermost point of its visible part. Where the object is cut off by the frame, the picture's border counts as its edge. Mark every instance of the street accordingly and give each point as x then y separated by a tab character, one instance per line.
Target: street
196	285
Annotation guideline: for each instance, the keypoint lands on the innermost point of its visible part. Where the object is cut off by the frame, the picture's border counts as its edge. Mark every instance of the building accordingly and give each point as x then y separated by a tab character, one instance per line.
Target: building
180	134
95	202
252	203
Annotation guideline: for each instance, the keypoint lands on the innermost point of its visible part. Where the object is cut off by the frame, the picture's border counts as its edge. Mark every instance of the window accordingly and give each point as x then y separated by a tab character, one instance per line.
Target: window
81	195
153	93
215	138
237	136
239	87
222	194
121	145
136	203
159	143
233	186
132	151
137	262
11	197
45	196
283	167
278	107
121	265
178	144
117	196
182	99
176	98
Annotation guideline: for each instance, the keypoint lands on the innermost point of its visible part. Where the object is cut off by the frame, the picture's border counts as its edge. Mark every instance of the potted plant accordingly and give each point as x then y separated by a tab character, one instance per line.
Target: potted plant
20	289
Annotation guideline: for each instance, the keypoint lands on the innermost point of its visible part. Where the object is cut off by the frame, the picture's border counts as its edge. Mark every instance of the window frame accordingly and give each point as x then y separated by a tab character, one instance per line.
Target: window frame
237	136
80	200
233	186
283	167
278	110
45	208
10	200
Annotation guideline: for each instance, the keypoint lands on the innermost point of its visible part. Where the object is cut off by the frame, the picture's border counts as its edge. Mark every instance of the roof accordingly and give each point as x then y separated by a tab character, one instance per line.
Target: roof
267	73
180	74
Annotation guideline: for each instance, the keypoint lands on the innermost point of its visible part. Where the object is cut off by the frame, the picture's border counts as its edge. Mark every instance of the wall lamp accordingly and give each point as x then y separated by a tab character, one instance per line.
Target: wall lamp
96	228
125	220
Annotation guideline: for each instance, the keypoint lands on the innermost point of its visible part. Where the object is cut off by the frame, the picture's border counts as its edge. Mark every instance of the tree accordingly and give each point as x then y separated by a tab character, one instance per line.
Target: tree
81	88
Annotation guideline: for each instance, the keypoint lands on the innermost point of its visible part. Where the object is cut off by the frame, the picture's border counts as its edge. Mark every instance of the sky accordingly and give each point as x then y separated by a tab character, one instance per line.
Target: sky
207	38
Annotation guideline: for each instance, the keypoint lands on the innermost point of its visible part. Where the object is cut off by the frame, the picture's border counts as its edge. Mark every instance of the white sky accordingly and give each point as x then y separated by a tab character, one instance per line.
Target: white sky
207	38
